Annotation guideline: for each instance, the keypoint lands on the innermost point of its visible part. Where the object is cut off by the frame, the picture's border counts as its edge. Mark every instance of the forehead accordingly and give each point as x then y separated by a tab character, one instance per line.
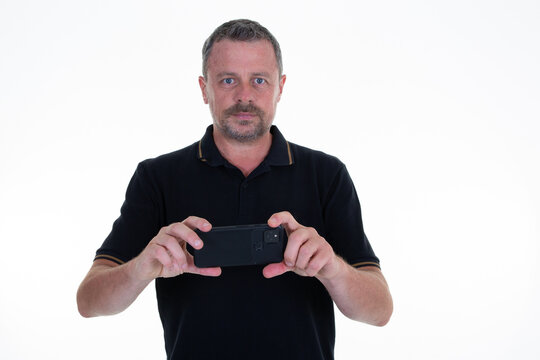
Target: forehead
242	56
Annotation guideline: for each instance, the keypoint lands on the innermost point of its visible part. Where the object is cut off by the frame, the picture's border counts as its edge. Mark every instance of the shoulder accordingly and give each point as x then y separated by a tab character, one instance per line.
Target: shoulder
168	167
173	160
304	156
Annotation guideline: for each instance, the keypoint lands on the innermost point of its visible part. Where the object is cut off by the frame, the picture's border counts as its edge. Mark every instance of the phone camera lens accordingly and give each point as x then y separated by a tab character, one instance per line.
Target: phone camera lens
271	236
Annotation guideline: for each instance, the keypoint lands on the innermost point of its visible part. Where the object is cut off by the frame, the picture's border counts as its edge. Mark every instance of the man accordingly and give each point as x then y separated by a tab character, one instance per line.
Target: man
242	171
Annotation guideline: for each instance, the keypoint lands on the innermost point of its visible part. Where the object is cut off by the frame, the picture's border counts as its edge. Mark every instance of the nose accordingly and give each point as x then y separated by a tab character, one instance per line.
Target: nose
244	93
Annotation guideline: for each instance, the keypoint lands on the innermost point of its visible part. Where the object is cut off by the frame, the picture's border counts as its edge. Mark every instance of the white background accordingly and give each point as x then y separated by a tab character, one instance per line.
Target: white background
433	106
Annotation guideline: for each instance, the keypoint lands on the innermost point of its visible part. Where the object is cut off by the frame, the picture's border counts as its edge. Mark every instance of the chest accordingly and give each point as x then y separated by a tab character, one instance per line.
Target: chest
224	196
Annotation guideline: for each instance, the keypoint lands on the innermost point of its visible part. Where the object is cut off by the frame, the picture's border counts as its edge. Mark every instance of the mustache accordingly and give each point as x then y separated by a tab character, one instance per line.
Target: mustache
238	108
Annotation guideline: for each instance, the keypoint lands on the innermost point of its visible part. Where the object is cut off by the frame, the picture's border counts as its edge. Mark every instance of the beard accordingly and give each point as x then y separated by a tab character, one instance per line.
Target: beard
259	126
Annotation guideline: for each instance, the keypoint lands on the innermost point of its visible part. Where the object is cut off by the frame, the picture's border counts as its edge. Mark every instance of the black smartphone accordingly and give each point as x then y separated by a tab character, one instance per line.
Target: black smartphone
240	245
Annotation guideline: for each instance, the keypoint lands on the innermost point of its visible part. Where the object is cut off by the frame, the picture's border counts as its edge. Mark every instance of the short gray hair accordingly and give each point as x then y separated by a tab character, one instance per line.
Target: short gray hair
240	30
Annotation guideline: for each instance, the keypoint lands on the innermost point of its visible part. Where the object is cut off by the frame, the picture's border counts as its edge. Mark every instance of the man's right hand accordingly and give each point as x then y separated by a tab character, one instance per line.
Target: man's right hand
166	255
109	288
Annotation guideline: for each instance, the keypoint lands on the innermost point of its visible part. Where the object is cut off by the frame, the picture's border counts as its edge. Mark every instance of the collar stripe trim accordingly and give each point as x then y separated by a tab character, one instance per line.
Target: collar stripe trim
289	153
200	151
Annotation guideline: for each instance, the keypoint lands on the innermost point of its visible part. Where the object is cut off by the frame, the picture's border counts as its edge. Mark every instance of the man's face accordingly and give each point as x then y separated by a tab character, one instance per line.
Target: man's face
242	88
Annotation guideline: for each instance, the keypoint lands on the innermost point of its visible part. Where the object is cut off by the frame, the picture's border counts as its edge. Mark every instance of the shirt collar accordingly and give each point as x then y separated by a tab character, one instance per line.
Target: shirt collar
279	155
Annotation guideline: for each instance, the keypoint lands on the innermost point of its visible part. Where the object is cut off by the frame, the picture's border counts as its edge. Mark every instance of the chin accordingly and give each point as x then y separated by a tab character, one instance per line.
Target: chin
243	131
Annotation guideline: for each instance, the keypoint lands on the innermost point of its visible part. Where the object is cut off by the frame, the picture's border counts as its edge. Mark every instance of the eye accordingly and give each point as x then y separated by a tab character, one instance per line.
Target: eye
228	81
259	81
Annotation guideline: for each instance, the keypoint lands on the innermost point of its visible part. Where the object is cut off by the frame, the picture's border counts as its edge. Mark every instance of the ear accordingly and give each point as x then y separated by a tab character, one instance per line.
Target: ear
202	84
281	84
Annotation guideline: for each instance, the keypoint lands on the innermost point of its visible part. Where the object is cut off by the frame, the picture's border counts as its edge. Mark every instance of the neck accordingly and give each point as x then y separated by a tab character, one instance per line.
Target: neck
245	156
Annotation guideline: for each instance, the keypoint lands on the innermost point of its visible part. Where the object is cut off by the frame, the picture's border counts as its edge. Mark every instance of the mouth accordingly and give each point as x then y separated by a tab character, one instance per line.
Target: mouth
244	115
244	112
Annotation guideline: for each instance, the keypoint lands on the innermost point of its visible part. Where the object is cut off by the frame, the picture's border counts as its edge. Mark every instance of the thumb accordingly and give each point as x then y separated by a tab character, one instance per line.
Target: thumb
276	269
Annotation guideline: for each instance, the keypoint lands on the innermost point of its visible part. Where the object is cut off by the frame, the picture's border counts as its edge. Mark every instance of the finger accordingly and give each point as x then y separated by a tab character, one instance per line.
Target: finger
295	242
214	271
191	268
276	269
164	259
315	264
171	244
183	232
195	222
305	254
180	262
211	271
286	219
162	256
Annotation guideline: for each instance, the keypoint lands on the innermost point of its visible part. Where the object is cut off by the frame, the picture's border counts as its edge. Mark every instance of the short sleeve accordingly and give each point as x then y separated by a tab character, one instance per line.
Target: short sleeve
138	222
343	222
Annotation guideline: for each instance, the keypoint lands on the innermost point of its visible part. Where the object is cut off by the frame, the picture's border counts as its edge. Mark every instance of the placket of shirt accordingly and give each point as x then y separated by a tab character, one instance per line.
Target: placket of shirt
247	194
243	201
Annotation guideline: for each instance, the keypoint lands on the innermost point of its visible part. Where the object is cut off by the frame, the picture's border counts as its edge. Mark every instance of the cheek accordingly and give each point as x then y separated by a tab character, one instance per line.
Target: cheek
277	96
218	104
273	96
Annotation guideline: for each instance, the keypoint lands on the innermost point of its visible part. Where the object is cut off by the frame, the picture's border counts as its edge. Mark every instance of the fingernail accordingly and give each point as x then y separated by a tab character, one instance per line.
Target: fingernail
198	243
288	264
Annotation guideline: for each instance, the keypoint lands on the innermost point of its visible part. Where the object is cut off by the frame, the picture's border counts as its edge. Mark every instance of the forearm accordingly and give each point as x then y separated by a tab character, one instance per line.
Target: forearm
360	294
108	290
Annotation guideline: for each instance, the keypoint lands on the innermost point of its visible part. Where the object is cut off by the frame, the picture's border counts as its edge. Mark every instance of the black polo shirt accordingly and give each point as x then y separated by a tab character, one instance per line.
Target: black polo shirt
240	314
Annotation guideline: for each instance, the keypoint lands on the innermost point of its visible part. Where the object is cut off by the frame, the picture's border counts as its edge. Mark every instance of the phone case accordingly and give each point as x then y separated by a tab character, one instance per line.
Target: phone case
240	245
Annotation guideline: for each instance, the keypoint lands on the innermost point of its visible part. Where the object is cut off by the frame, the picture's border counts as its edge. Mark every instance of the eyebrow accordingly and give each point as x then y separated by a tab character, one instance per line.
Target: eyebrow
226	73
265	74
221	74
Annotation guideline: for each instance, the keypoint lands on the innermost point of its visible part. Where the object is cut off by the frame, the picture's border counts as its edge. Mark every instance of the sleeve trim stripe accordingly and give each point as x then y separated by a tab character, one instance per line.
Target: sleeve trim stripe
109	257
366	263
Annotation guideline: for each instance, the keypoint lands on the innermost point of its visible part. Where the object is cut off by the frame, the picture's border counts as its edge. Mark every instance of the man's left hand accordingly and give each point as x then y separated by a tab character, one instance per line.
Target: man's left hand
307	253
